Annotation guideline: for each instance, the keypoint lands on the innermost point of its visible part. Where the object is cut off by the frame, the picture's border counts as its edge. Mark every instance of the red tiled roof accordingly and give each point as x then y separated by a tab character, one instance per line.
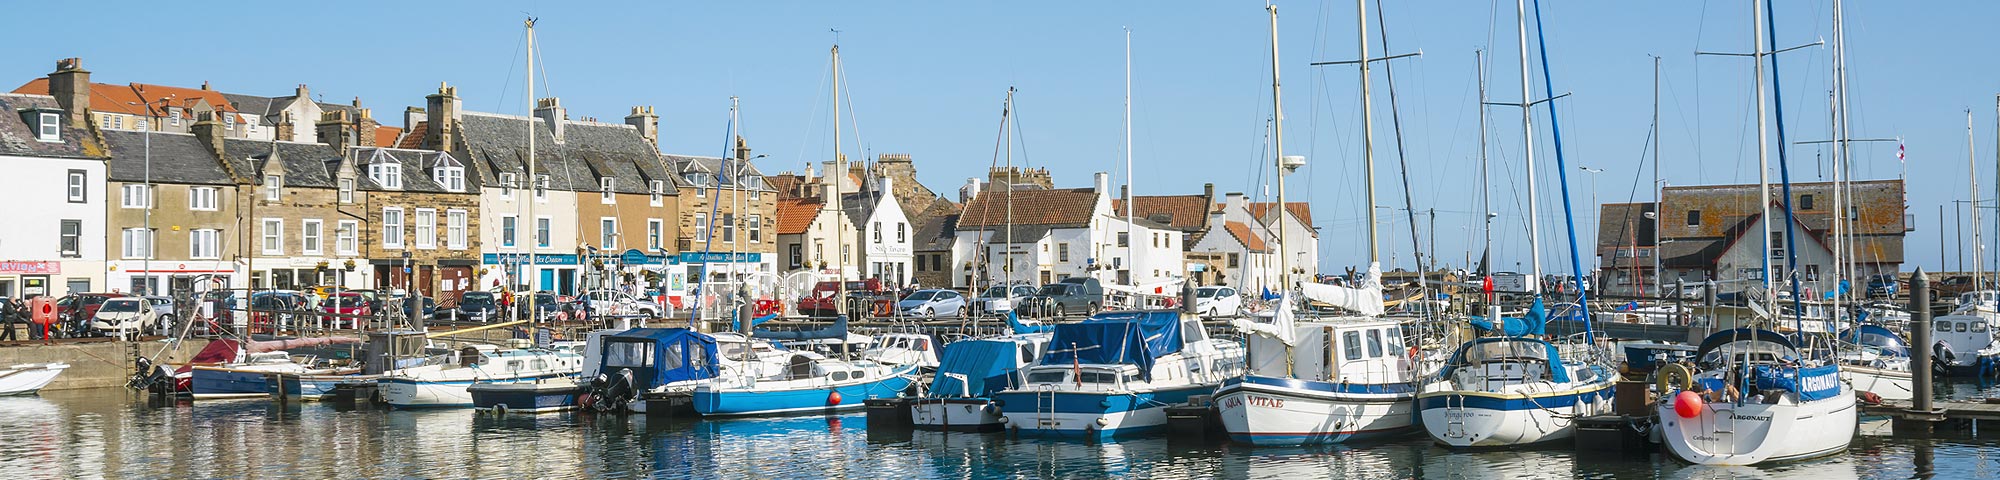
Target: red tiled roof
1243	234
1063	208
787	185
415	137
795	215
386	135
137	98
1184	212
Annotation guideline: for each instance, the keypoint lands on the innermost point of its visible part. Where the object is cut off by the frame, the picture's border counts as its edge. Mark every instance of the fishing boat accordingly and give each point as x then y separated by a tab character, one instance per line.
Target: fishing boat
442	380
28	378
1755	400
1965	345
538	396
1876	360
811	383
1335	379
650	370
1115	373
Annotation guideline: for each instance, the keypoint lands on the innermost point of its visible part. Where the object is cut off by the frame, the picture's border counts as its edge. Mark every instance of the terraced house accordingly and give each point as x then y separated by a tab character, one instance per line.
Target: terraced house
189	244
725	212
421	211
292	236
54	182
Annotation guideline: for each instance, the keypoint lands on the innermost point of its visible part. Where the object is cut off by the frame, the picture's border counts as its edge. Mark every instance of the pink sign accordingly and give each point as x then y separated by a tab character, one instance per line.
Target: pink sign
30	267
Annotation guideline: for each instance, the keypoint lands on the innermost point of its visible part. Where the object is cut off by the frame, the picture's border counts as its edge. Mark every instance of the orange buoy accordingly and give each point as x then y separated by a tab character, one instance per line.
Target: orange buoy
1687	404
833	399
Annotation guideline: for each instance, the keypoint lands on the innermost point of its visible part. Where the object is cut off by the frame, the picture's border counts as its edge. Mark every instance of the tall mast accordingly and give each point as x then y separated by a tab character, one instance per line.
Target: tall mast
1485	169
1840	249
839	173
1978	242
1845	152
1278	150
1763	157
1367	129
1528	150
1007	139
1130	205
534	180
1659	190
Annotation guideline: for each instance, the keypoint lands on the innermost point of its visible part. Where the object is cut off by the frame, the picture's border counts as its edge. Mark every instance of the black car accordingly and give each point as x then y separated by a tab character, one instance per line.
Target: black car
475	306
544	301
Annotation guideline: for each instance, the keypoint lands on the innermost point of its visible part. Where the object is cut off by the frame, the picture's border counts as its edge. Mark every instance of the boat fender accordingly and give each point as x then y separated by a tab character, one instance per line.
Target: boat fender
1672	377
1687	404
1101	421
1868	397
585	401
989	409
1003	421
500	409
833	398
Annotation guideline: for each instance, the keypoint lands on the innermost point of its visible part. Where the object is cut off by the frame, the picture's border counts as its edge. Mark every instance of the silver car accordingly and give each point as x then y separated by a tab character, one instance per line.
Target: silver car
613	302
988	302
932	303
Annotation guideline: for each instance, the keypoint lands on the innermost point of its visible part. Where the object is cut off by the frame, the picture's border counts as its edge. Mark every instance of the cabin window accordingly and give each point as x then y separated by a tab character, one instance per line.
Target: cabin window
1374	343
1350	342
1047	377
513	364
1134	377
628	354
1395	340
541	364
839	376
1978	326
1943	326
673	358
859	374
1099	377
1960	328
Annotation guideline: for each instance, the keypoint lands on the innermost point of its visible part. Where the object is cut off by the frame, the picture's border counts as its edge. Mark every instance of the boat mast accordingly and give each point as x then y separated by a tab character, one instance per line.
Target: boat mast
1130	205
1978	242
838	174
1278	149
1528	151
1007	142
1485	169
1659	189
1763	157
1367	129
534	182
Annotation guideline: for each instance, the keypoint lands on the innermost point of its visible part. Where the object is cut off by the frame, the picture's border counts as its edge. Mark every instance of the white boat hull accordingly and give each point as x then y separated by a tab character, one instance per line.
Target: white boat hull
1265	414
28	378
1482	419
1893	385
1725	433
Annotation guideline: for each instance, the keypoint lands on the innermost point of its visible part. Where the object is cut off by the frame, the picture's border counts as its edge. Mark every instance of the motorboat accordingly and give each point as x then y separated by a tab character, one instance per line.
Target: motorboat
1514	389
28	378
1336	379
441	381
804	382
1115	373
960	397
1965	345
1876	360
650	370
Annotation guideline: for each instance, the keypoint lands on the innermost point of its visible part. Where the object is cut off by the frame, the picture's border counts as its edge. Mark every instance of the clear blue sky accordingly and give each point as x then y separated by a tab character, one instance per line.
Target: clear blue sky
927	79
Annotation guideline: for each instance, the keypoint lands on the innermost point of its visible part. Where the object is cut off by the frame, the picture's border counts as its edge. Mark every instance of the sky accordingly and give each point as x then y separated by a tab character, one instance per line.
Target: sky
928	79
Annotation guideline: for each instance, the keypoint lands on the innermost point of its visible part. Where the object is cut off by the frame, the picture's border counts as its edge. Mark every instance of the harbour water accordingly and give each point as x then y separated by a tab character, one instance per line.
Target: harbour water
113	433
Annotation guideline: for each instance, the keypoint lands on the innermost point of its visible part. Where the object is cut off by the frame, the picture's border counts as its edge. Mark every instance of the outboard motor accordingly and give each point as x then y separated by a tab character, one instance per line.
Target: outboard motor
1942	357
147	376
611	393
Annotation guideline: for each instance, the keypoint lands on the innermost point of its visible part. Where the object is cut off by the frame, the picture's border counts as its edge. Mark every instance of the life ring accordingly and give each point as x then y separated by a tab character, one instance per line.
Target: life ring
1673	376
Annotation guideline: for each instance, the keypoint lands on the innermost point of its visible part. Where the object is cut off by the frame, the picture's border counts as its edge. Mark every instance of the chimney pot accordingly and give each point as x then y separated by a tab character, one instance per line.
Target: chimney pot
1102	183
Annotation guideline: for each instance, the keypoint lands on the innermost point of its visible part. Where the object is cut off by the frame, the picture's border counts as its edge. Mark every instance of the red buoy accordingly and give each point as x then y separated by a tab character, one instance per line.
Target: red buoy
833	399
1688	404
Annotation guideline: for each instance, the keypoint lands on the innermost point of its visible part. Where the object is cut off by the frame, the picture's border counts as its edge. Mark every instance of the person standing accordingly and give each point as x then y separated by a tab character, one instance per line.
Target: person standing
9	310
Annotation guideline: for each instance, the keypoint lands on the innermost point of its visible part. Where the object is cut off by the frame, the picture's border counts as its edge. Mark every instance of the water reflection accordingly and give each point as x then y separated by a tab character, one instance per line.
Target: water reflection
111	433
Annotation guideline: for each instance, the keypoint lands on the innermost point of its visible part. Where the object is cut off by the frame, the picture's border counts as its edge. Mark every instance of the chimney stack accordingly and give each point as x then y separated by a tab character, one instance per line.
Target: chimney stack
70	84
288	129
1102	183
441	112
365	128
648	124
204	85
970	190
209	132
334	128
412	116
551	110
1208	192
302	92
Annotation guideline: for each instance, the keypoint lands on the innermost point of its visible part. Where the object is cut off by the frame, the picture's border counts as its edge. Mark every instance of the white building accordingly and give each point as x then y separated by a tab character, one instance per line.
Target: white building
882	233
1045	235
55	180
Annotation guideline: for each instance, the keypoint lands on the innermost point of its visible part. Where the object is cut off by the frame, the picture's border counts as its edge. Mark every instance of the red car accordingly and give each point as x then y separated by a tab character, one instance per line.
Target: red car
345	303
83	305
820	302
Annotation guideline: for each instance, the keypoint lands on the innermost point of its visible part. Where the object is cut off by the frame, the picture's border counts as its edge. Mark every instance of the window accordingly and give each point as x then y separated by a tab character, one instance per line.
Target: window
901	234
542	226
72	237
1350	342
1233	259
659	191
655	229
1805	202
138	243
1694	218
79	186
51	128
201	198
347	190
274	188
346	238
202	244
1124	239
507	185
607	233
137	195
454	229
604	188
797	255
542	187
451	177
273	236
508	225
387	174
309	236
392	227
1062	252
701	227
756	228
877	232
1374	343
173	116
425	225
728	227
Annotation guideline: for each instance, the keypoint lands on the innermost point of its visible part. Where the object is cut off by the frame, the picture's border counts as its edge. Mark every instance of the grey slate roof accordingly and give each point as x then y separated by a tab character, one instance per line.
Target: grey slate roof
306	164
860	207
688	165
589	152
17	137
936	234
416	169
266	108
177	158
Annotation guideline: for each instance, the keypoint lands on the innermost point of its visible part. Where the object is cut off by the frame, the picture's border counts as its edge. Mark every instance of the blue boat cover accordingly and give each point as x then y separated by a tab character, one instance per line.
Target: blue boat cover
738	326
1888	342
984	363
1124	337
1535	323
1724	337
1817	383
678	354
837	330
1557	371
1014	321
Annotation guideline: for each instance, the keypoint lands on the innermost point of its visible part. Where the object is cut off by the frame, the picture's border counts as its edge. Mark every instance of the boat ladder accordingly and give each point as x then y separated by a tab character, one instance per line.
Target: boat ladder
1045	406
1454	416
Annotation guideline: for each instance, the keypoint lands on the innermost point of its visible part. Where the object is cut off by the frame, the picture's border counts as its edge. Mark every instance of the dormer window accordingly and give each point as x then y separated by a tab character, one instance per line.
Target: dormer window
229	121
173	116
605	187
542	187
448	173
387	174
658	190
507	185
49	127
274	188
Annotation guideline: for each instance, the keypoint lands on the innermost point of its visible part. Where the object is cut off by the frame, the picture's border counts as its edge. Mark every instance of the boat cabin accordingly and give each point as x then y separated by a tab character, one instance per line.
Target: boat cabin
1966	334
1358	350
658	356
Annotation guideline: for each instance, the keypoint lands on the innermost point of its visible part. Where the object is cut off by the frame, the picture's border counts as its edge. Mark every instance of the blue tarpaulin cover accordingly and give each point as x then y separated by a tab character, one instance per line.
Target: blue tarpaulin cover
1014	321
1817	383
1126	337
984	363
678	354
1535	323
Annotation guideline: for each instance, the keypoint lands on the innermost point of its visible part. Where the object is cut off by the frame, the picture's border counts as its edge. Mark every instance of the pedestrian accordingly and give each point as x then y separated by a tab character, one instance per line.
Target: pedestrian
9	310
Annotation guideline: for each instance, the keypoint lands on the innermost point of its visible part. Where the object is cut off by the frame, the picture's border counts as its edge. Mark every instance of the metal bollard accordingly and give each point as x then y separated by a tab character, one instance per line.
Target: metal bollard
1920	339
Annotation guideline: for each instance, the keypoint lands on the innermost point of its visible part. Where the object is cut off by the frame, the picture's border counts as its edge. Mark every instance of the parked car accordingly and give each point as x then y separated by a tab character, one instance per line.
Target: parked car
1012	295
270	307
346	303
933	303
1069	296
475	306
545	302
81	307
1884	285
1218	302
820	303
169	316
613	302
124	317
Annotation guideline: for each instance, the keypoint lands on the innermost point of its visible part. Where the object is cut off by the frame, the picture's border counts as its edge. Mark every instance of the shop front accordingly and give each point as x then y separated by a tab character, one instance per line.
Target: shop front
27	278
171	277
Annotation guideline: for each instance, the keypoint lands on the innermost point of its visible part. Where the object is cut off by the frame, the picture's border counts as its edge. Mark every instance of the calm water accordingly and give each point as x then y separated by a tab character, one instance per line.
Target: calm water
112	433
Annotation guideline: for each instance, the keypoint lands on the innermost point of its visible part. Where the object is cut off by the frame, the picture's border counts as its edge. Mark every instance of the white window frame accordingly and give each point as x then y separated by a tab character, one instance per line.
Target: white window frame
728	227
507	185
542	183
656	231
387	174
347	237
456	222
659	191
701	227
273	233
605	189
311	236
79	186
274	188
877	232
450	177
203	244
545	233
756	228
136	247
607	232
424	225
510	231
392	228
202	199
346	190
136	195
51	127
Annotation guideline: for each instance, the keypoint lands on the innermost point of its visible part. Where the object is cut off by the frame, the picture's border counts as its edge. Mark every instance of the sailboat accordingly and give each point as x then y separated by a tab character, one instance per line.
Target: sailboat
1328	379
1515	388
1756	399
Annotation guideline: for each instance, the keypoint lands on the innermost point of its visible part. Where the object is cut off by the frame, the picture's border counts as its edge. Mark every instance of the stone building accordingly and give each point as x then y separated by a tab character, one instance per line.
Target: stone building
193	223
724	209
420	218
1716	231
